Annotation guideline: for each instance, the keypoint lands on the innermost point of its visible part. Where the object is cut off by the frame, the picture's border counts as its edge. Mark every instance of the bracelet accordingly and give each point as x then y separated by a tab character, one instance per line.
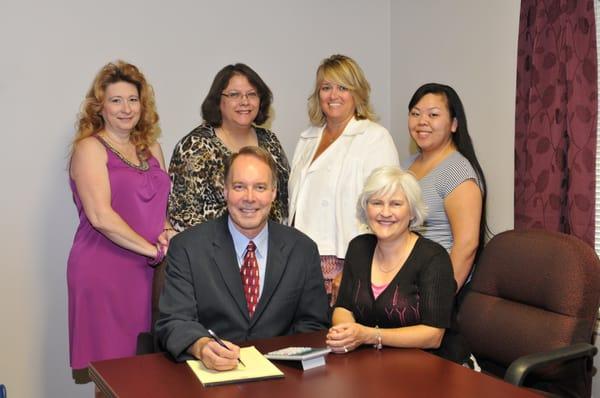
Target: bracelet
378	345
169	229
160	256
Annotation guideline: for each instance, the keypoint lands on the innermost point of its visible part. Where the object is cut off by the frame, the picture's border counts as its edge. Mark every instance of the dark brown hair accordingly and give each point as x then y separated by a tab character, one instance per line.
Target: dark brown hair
211	106
462	141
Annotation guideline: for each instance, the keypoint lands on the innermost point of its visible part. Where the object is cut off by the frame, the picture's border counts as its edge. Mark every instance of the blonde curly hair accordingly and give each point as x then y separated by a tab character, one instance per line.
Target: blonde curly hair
90	121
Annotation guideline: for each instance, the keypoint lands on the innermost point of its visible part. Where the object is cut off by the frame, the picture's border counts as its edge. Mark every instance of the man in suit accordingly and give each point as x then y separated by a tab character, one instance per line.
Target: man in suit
281	293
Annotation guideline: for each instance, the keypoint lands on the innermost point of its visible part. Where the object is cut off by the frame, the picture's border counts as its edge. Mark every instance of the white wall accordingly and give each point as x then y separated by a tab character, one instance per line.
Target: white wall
51	51
472	46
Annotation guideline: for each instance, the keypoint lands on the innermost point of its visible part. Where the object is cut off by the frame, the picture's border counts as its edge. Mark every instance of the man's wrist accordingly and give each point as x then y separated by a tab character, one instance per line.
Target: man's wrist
196	348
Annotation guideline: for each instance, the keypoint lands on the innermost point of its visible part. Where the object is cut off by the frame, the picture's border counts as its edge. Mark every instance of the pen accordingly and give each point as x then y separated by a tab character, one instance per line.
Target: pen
220	342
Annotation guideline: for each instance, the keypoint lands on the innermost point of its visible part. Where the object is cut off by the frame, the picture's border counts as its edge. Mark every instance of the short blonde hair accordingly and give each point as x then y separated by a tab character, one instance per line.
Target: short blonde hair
385	181
342	70
90	121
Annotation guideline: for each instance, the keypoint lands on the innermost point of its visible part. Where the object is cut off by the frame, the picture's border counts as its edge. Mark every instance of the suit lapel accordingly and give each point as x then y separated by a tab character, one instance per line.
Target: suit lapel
226	261
276	264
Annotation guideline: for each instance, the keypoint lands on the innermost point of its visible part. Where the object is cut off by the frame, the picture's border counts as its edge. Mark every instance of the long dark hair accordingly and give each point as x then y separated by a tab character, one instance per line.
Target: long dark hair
462	141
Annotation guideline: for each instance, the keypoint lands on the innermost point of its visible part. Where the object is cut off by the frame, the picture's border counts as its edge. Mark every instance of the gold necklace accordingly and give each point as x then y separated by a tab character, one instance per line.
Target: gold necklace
405	254
114	141
387	271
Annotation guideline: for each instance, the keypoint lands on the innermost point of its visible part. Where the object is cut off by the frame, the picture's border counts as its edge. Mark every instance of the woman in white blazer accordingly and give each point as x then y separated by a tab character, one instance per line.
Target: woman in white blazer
332	160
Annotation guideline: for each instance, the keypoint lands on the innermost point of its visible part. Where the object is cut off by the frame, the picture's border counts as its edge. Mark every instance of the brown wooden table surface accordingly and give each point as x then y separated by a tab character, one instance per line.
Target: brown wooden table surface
365	373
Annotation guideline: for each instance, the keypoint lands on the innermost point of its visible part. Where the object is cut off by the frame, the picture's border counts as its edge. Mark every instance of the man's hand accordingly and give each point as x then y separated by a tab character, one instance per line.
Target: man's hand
213	356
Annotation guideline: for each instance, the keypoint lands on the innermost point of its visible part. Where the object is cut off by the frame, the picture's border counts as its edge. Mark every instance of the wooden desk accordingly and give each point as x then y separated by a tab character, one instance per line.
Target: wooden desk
366	372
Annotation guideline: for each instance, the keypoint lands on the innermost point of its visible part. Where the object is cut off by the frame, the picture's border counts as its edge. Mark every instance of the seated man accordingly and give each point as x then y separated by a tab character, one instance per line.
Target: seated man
281	289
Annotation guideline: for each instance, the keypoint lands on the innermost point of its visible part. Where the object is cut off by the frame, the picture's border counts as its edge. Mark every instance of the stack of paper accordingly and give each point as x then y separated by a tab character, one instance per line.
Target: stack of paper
257	368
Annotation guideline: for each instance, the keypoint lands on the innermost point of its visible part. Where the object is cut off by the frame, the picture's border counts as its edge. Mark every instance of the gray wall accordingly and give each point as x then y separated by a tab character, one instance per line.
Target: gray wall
471	46
51	51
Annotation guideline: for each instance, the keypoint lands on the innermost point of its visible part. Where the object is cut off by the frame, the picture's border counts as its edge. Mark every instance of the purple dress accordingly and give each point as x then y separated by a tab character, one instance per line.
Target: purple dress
110	287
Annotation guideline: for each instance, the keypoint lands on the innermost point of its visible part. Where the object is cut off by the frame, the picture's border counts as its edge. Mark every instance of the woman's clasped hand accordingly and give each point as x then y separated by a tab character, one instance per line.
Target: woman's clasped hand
345	337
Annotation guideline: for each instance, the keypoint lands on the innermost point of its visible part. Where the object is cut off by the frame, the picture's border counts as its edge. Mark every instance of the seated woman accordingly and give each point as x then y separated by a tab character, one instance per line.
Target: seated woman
397	287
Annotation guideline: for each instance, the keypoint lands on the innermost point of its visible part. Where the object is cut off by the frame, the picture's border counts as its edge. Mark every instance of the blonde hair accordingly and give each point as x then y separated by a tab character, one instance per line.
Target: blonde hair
342	70
90	121
385	181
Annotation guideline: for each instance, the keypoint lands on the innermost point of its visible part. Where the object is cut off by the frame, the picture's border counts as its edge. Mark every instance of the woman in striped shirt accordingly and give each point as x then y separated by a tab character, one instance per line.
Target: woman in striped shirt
450	176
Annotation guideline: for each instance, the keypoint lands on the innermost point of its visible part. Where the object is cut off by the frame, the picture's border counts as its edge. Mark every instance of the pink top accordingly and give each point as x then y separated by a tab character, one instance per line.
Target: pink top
378	289
110	287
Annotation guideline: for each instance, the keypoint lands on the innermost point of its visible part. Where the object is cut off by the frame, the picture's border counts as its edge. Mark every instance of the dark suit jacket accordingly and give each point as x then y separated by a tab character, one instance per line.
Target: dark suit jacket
203	288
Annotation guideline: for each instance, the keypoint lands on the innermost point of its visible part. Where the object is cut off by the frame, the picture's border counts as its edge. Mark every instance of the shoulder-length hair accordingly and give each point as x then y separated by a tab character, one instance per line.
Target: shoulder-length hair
90	120
462	140
211	106
387	180
344	71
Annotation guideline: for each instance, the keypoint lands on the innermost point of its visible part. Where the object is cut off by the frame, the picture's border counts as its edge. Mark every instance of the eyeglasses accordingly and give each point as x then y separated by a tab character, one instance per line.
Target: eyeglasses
237	96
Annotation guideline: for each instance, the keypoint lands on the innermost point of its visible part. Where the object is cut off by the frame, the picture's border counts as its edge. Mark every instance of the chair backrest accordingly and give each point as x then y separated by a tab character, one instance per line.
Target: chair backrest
532	291
158	282
147	342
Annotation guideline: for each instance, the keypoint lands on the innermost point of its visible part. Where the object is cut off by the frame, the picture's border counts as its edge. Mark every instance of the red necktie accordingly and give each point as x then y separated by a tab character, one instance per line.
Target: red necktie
250	281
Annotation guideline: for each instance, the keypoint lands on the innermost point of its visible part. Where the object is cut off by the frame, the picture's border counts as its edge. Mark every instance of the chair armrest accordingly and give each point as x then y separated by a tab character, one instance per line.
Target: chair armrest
519	368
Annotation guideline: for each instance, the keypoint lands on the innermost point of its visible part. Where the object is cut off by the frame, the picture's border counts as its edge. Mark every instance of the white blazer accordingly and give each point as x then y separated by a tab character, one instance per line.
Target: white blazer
370	146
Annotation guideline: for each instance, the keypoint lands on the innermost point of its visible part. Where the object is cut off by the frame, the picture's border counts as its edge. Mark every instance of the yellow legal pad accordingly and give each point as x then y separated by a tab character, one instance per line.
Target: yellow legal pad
257	368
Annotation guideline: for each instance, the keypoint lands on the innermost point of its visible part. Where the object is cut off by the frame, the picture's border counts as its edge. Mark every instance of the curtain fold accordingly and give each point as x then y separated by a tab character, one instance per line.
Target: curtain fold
556	117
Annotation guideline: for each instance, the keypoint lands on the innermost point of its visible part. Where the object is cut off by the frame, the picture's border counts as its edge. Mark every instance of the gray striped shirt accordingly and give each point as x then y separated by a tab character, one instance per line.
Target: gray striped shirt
436	186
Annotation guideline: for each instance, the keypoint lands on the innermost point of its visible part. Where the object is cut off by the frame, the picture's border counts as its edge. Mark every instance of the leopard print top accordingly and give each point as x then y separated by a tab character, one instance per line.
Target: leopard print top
197	168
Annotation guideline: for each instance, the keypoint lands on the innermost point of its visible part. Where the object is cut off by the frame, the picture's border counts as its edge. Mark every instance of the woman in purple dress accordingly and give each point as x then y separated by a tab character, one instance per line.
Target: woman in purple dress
120	188
397	287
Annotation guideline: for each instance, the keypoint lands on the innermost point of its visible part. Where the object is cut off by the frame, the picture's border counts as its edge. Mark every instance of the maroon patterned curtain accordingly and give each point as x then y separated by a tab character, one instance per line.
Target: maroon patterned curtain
556	112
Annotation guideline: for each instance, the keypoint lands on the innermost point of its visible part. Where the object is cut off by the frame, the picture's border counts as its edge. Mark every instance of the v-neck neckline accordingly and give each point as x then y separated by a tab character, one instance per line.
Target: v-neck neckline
406	262
143	166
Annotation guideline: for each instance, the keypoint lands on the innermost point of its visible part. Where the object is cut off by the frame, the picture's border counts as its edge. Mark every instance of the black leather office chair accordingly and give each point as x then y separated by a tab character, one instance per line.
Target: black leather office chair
530	310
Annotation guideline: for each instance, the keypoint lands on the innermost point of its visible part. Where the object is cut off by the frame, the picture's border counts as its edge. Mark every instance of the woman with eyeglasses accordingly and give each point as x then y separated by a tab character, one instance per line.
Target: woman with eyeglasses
332	160
236	105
